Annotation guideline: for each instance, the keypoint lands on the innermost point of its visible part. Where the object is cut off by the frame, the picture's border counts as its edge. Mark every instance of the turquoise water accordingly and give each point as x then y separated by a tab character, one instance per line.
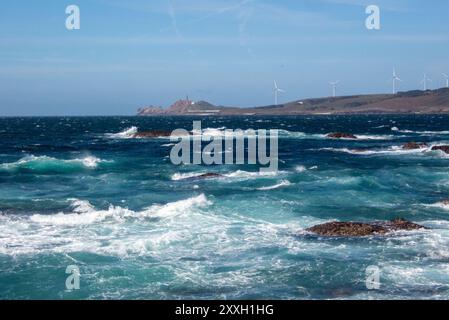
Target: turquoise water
80	191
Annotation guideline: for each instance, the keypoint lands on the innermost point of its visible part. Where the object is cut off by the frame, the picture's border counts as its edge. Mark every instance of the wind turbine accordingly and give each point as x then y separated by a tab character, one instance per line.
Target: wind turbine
447	79
276	91
395	78
334	87
425	80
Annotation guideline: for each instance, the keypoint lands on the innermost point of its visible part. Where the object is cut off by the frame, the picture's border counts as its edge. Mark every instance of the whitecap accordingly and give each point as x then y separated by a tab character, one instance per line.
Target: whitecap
45	163
125	134
283	183
176	208
441	205
85	214
240	174
300	169
425	133
394	150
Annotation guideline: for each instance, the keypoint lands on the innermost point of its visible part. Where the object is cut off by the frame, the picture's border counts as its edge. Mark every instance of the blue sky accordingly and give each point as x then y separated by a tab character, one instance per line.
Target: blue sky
134	53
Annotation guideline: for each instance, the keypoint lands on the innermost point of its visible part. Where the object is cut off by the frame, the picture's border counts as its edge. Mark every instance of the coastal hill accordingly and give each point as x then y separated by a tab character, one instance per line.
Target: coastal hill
430	102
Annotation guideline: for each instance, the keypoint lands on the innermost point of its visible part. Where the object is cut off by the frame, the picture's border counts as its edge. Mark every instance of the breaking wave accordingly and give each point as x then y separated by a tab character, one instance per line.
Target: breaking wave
441	205
84	213
430	133
125	134
239	174
283	183
44	164
394	150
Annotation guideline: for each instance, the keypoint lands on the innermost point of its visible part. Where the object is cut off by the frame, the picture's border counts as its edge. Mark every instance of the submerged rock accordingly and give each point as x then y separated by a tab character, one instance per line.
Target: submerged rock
341	135
441	148
359	229
208	175
152	134
413	146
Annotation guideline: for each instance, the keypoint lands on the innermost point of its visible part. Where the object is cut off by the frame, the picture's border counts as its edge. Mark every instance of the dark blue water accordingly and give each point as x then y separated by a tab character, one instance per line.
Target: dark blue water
81	191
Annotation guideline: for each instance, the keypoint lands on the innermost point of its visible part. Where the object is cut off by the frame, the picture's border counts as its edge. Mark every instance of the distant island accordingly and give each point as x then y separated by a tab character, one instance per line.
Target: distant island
410	102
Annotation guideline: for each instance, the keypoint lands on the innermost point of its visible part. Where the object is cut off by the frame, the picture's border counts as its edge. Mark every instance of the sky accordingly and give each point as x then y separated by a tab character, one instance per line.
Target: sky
135	53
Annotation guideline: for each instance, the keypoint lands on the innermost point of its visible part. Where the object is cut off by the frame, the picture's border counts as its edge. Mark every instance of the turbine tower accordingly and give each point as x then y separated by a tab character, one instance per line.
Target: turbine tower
334	87
425	80
395	78
447	79
277	90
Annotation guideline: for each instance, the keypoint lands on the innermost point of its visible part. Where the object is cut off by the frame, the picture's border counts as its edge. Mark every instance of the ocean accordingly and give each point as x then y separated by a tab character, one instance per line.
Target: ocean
82	192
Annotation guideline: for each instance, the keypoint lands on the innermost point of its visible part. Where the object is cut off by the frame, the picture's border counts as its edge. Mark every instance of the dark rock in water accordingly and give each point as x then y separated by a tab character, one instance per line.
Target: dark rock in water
208	175
152	134
353	229
341	135
441	148
402	224
359	229
413	146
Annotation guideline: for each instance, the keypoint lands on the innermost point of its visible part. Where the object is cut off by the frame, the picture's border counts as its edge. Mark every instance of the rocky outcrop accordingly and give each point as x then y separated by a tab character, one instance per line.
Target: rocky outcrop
441	148
413	146
359	229
152	134
341	135
150	110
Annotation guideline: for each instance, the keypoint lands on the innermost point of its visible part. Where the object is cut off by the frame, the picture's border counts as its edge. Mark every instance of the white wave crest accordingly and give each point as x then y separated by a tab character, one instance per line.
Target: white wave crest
394	150
283	183
85	214
176	208
441	205
43	163
239	174
125	134
425	133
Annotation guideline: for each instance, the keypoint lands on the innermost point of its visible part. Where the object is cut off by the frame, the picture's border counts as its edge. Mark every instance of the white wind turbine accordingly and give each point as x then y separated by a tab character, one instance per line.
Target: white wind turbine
277	90
447	79
334	87
395	78
425	80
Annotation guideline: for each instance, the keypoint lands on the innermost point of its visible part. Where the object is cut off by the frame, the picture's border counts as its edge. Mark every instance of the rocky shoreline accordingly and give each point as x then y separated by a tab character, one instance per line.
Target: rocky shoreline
410	102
